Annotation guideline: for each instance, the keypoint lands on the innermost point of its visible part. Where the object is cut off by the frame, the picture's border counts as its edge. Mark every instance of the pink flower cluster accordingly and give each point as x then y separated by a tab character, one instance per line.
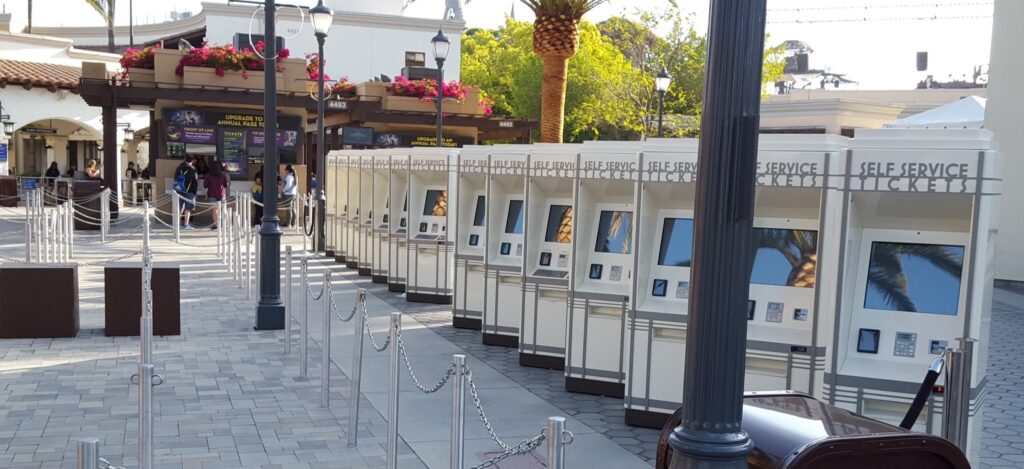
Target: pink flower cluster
488	105
426	88
138	58
227	57
313	66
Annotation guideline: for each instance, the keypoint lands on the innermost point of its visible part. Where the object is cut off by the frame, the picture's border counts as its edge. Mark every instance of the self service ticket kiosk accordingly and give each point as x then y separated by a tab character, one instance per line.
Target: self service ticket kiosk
602	274
339	193
353	227
398	220
918	227
364	212
550	191
790	217
470	237
380	217
430	251
331	181
503	263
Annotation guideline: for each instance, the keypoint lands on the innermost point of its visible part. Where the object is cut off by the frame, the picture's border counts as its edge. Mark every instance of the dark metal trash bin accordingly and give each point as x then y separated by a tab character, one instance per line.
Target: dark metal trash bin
87	214
38	301
122	290
8	191
796	431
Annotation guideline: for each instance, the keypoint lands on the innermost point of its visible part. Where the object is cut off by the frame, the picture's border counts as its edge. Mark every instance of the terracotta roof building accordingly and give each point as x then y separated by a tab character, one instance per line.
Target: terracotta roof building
29	74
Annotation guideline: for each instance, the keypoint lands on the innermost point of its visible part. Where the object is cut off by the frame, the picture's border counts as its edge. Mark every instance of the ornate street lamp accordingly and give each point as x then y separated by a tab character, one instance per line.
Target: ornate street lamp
6	120
441	47
661	83
322	18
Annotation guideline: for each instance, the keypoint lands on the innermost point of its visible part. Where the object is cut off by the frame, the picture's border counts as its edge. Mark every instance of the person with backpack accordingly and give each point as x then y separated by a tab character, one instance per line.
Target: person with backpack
289	190
186	185
217	186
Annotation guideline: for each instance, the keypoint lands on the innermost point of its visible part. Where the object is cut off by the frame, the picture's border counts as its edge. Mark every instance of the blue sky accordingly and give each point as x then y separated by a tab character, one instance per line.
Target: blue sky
931	289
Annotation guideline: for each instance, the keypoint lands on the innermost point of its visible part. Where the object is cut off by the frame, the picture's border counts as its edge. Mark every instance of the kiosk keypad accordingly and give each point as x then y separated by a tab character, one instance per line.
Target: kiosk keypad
906	344
550	273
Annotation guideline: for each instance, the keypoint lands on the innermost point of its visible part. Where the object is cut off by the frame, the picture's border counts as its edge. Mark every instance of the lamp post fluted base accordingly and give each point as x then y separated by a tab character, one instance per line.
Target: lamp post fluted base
270	311
706	450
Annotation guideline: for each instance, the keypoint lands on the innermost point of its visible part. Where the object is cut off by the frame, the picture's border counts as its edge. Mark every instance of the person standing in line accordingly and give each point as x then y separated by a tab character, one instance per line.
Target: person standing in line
217	186
289	190
257	195
131	173
92	170
186	185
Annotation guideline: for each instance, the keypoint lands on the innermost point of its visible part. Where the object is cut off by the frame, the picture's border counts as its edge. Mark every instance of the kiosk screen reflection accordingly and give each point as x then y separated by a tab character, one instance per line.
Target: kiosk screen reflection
916	278
615	232
436	204
514	223
676	242
785	257
480	216
559	224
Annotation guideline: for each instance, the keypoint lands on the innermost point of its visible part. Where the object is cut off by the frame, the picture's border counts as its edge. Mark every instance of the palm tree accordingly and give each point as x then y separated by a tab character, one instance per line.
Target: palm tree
886	275
556	39
106	9
799	247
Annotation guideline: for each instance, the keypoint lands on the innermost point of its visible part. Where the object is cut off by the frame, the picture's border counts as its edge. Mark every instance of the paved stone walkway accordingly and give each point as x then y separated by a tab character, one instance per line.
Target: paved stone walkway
232	399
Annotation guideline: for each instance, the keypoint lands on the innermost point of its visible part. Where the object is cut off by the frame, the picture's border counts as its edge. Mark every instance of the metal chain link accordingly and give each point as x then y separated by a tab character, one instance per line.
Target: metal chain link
11	259
480	410
104	464
105	261
334	306
523	447
408	366
366	325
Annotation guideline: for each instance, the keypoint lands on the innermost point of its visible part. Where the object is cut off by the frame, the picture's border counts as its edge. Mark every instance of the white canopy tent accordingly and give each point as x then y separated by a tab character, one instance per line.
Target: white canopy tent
965	113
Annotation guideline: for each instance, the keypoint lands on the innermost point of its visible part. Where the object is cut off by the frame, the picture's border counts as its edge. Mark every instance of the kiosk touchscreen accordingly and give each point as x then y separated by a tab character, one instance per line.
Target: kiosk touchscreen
918	226
367	227
398	222
503	275
784	346
550	191
470	237
430	252
602	274
379	217
339	192
353	225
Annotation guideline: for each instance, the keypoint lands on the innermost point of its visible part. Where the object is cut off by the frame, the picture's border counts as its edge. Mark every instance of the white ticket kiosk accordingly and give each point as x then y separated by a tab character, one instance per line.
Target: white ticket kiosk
430	251
918	228
398	221
602	274
330	217
339	194
470	237
550	194
503	262
784	346
353	227
380	217
367	227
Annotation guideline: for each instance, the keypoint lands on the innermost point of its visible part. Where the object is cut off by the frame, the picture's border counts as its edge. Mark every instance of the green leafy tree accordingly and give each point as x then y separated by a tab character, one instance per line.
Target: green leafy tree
106	9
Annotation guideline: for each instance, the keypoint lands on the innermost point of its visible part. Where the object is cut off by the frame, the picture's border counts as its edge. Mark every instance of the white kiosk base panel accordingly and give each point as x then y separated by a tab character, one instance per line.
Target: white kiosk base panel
469	280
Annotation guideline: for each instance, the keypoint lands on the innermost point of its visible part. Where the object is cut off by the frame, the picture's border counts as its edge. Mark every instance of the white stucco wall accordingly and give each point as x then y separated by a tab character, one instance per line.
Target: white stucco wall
1003	116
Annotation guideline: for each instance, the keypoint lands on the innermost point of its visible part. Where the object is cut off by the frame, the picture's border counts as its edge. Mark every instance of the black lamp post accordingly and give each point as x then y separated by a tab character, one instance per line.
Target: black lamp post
6	120
270	309
661	83
322	17
441	46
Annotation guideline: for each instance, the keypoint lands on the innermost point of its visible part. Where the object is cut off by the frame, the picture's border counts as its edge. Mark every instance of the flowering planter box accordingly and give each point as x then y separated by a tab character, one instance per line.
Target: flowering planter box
142	77
196	77
470	105
406	103
371	91
165	61
294	75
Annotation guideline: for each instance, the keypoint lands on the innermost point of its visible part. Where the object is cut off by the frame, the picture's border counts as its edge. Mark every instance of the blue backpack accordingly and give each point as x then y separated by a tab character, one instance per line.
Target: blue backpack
179	182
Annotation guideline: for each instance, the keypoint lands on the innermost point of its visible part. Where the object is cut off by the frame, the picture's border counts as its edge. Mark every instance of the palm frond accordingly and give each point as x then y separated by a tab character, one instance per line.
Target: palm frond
105	8
939	256
571	8
885	275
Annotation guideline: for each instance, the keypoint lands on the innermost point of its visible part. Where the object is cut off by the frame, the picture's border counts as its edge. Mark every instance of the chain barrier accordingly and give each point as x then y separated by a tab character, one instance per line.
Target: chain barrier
373	342
408	366
334	306
106	261
104	464
524	447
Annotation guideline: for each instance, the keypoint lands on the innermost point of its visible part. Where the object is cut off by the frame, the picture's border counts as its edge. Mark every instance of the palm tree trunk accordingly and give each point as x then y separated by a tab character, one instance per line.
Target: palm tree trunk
552	101
110	39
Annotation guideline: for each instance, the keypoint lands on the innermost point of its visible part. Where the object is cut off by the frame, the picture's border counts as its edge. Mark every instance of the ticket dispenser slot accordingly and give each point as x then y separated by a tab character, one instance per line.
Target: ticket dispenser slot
339	192
506	208
398	221
380	254
784	348
550	216
353	226
471	238
918	224
603	252
364	242
432	185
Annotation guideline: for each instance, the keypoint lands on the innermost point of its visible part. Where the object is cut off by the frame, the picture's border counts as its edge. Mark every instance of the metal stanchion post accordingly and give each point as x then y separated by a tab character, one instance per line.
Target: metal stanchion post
104	214
71	227
145	416
393	369
88	453
304	325
47	232
219	221
325	380
238	247
288	298
357	369
953	398
458	412
248	247
176	215
556	446
28	231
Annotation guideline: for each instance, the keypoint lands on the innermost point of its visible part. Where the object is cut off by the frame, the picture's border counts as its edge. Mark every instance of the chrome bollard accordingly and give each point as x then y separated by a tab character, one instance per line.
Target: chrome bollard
357	369
304	325
145	416
28	225
288	299
88	453
176	215
458	412
219	221
71	227
556	445
325	380
393	369
104	214
248	247
238	247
